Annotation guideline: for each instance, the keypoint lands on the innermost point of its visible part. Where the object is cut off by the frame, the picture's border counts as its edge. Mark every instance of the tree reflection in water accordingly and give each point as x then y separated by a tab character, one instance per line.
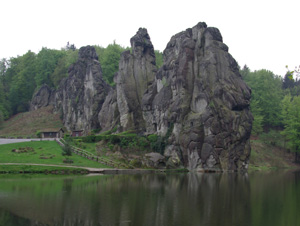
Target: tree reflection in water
152	199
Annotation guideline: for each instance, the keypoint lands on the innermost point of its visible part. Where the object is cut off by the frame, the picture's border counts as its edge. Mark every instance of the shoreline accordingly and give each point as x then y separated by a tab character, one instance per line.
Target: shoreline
31	168
55	169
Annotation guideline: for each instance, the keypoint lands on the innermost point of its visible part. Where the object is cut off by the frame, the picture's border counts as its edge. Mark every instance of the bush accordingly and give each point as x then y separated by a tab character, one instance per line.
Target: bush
114	139
67	136
152	138
143	142
89	139
67	150
159	145
39	134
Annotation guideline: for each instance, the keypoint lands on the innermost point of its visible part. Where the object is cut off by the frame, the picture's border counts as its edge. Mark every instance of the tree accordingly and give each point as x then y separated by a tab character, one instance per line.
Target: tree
67	149
287	82
21	81
46	62
109	60
158	58
257	125
70	47
266	90
245	72
61	70
291	121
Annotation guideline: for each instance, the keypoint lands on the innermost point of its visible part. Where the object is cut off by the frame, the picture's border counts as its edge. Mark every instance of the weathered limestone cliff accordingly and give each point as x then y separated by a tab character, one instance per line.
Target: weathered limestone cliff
197	99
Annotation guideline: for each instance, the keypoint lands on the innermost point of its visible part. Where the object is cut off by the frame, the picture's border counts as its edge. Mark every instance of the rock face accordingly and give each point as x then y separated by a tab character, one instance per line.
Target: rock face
200	96
136	71
80	96
197	100
42	98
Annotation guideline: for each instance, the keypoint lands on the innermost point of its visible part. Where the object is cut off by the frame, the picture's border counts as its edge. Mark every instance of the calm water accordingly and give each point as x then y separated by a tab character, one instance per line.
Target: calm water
179	199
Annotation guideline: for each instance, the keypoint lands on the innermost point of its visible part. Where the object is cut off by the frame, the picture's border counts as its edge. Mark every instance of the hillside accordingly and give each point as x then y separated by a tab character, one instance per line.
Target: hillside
28	123
266	156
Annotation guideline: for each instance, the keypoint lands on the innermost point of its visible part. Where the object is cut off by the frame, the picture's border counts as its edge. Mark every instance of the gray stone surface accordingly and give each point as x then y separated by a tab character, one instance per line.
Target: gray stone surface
198	96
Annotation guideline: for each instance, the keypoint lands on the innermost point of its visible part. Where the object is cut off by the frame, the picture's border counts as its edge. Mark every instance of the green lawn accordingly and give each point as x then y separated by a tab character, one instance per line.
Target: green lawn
39	169
44	152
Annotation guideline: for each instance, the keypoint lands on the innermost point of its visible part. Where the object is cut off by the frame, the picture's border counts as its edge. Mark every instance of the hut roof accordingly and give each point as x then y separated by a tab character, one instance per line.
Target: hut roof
51	130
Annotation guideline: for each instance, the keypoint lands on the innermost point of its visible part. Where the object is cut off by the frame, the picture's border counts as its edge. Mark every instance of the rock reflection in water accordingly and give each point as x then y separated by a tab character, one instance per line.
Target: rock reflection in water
179	199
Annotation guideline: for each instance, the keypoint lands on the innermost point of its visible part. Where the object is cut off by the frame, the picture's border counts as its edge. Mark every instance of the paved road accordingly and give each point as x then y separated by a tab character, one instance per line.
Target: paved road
9	141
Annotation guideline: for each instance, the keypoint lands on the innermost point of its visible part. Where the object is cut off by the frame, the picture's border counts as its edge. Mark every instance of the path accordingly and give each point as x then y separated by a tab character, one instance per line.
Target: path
10	141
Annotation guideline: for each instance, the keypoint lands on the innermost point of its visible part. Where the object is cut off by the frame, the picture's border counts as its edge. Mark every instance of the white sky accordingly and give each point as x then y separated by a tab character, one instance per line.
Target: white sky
259	33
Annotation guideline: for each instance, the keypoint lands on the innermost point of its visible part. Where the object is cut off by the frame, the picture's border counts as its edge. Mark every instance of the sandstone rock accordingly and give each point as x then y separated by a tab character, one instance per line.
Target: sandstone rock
200	91
42	98
136	72
154	160
197	97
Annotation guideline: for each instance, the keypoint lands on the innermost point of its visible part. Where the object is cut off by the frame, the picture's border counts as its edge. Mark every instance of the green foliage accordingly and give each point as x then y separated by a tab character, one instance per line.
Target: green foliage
273	138
291	121
158	58
266	94
46	148
22	75
257	125
109	58
46	62
67	149
159	143
38	134
21	81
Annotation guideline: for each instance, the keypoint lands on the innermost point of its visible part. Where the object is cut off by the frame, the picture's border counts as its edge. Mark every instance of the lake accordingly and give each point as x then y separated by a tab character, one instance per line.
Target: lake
228	199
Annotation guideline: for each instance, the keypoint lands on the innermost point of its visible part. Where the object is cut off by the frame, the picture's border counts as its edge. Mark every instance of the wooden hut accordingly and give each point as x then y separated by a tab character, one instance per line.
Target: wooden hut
77	133
52	133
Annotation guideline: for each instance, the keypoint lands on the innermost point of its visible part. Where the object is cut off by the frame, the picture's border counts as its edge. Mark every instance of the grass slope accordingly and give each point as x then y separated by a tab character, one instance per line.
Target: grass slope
28	123
44	152
265	156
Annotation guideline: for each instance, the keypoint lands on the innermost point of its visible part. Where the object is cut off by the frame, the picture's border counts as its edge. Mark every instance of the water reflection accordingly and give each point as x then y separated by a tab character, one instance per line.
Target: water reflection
179	199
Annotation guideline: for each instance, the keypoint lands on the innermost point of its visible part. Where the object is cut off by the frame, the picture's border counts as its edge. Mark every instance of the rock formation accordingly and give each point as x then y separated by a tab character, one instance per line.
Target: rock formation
42	98
200	95
136	71
197	100
81	95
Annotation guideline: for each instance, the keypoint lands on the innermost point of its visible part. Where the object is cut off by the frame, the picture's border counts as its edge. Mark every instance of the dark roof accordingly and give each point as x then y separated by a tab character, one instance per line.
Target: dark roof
51	130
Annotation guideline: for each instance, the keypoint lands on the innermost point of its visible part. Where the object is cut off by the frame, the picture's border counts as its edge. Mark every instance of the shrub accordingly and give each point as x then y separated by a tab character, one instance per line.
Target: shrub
67	136
39	134
152	138
143	142
114	139
89	139
67	150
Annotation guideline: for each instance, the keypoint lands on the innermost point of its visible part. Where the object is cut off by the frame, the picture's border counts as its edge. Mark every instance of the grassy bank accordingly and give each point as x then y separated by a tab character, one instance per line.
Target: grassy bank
269	152
28	123
41	152
40	169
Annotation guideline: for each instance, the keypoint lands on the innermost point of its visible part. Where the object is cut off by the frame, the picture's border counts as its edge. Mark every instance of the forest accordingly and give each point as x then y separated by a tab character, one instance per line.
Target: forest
275	102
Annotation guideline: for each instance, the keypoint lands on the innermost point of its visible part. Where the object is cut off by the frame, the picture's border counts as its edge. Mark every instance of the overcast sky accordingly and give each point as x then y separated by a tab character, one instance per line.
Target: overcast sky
259	33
